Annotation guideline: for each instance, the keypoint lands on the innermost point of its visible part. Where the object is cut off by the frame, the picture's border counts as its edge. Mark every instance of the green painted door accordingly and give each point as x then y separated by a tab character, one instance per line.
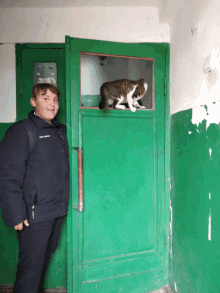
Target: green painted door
41	63
117	229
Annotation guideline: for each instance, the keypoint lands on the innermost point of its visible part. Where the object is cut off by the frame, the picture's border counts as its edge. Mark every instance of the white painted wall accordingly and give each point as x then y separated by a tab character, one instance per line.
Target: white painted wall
195	37
37	25
78	3
7	83
123	24
167	9
93	74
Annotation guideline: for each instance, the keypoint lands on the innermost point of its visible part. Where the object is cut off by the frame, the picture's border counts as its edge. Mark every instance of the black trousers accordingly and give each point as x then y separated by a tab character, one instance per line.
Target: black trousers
36	246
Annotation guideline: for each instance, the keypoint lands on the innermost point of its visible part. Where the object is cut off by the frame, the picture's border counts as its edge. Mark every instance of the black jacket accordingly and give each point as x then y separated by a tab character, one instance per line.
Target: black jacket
34	185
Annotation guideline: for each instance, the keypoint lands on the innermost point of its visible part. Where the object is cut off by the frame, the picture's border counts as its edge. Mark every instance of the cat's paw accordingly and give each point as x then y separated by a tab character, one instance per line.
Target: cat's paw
120	107
142	107
133	109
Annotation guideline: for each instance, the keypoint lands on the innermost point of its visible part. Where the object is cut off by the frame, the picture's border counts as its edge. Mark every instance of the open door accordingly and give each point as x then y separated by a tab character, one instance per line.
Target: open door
116	227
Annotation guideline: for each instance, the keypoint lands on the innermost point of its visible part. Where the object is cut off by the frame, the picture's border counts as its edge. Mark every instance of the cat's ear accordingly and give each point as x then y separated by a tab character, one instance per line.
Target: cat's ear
33	102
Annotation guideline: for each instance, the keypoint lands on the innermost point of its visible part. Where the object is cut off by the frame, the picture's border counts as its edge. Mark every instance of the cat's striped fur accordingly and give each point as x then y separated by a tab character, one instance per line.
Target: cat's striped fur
122	91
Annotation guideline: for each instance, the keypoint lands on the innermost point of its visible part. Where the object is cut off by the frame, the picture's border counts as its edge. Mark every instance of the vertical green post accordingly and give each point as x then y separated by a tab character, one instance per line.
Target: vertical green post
167	163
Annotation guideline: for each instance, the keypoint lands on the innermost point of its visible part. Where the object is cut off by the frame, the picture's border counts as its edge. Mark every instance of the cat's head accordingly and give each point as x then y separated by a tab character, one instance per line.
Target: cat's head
142	81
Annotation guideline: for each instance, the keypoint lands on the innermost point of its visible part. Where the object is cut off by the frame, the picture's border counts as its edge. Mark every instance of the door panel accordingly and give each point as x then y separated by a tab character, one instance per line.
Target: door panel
119	186
118	239
134	283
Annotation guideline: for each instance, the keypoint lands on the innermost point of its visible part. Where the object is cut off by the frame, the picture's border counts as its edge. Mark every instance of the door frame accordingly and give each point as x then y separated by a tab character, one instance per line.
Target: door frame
73	151
167	187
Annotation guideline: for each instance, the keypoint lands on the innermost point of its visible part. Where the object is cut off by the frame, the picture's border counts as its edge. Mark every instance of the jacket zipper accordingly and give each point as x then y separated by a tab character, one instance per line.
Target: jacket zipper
65	154
61	135
33	211
34	203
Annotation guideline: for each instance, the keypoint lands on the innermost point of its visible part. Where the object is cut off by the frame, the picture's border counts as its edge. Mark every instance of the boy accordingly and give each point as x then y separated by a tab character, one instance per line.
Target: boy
34	185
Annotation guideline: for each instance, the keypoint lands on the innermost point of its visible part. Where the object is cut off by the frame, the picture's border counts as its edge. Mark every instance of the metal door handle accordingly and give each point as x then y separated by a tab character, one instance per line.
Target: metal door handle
80	181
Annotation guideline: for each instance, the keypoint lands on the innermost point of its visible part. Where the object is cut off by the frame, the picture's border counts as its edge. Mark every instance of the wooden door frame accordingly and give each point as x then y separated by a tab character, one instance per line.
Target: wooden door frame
72	147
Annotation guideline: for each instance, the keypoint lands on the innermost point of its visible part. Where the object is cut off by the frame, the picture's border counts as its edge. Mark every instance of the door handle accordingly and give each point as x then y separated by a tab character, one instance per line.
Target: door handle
80	180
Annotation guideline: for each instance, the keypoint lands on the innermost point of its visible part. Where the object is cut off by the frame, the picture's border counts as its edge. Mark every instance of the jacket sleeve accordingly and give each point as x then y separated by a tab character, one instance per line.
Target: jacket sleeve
14	152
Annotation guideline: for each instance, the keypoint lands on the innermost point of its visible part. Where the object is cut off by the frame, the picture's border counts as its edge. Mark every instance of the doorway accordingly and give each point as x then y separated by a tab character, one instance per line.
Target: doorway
44	63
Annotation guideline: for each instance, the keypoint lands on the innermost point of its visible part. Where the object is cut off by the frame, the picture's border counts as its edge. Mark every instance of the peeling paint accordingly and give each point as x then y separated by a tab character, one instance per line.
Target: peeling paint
207	106
209	195
171	227
208	112
169	182
198	115
175	287
210	152
189	132
210	226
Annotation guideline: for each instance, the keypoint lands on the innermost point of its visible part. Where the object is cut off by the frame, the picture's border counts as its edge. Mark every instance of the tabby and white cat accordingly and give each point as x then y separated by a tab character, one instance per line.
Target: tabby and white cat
122	91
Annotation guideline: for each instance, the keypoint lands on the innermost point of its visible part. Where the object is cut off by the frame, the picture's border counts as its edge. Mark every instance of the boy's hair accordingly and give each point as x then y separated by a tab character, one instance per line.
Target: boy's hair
43	87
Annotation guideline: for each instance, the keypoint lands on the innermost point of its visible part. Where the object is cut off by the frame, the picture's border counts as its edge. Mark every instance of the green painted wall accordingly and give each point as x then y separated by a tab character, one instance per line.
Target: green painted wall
195	195
56	276
8	241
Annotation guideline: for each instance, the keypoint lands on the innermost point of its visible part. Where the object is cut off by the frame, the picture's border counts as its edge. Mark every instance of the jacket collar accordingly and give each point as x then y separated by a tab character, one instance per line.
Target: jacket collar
41	123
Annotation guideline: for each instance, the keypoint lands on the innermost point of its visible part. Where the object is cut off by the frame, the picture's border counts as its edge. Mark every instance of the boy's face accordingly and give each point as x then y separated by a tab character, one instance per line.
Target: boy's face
46	105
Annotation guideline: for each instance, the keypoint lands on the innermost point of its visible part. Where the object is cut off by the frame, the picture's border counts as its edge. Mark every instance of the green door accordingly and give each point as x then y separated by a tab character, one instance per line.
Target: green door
41	63
117	228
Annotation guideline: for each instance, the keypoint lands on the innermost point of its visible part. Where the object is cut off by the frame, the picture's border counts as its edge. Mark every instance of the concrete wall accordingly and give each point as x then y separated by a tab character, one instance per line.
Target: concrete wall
36	25
122	24
7	83
195	133
194	45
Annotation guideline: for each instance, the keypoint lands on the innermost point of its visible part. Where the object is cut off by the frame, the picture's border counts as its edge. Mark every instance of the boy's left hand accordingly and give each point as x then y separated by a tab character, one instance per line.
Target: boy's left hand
20	226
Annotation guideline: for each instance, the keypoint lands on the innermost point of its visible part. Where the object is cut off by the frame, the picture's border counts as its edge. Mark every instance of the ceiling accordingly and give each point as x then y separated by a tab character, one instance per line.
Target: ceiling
76	3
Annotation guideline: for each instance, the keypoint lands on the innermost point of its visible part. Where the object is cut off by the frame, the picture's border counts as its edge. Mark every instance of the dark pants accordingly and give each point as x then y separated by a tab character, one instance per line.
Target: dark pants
36	246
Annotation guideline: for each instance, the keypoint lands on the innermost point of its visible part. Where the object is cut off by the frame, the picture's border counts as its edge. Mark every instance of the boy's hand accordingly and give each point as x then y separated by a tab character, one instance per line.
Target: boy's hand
20	226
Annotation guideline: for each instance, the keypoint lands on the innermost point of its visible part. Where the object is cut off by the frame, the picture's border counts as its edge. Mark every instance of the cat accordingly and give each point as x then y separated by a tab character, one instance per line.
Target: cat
122	91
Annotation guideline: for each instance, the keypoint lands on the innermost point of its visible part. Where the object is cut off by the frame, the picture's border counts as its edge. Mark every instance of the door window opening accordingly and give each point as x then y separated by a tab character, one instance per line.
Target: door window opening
45	72
97	69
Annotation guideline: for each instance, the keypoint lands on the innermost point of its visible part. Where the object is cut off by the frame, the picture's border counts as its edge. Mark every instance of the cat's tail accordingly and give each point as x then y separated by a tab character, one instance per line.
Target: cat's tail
103	105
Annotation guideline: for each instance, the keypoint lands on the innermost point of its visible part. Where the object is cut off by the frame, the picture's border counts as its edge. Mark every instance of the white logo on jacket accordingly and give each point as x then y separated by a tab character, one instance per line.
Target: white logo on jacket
44	136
